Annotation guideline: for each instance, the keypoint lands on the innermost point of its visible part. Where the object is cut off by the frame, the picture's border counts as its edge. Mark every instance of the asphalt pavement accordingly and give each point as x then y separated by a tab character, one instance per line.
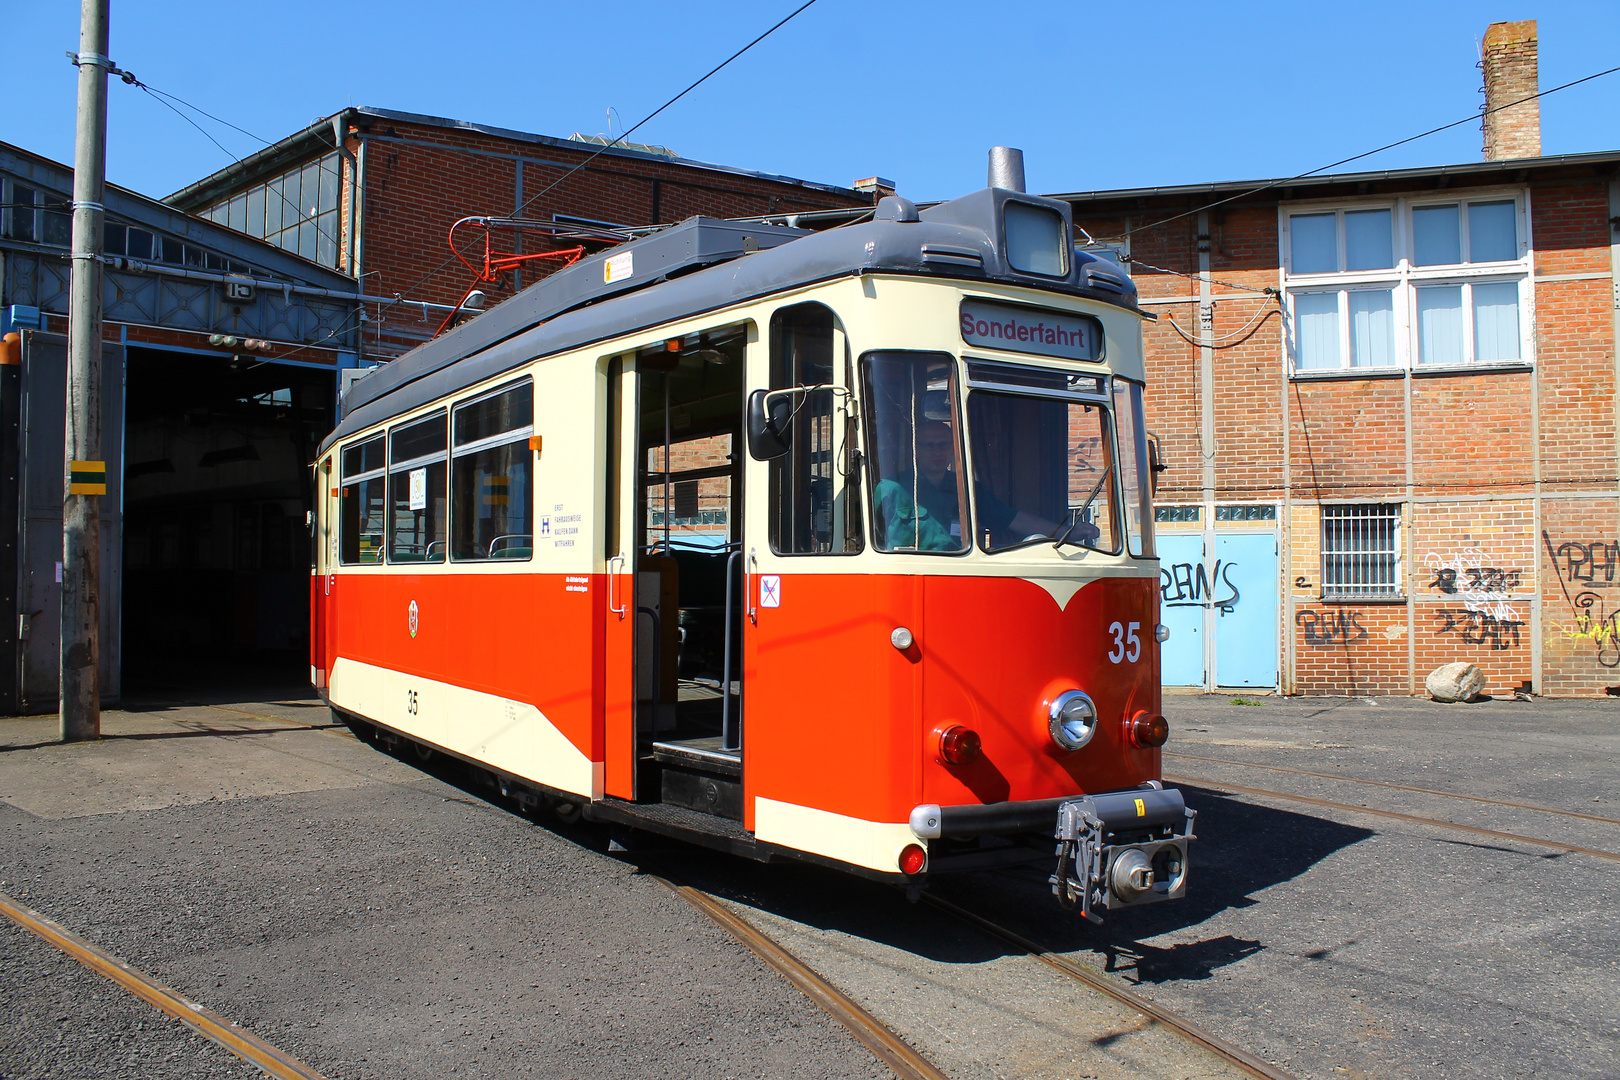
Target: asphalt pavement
380	921
359	914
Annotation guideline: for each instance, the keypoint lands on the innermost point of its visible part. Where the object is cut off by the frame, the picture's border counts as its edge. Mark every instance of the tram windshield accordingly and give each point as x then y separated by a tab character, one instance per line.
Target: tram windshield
1044	467
915	457
1043	471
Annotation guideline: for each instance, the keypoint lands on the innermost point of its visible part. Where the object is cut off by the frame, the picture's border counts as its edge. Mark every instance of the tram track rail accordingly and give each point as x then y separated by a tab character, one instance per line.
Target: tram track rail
900	1056
1416	819
1399	787
272	1060
1158	1014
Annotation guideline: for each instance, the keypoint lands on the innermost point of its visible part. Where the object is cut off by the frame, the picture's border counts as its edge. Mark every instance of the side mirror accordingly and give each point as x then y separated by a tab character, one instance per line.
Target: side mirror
1155	466
768	418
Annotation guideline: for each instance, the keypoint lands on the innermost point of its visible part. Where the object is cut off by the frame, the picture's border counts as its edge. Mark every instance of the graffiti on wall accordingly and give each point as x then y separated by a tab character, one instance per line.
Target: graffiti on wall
1583	566
1189	585
1487	615
1479	627
1336	627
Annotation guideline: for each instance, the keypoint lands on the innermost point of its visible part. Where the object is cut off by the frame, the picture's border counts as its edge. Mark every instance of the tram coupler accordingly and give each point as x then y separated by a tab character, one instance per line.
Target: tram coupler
1122	848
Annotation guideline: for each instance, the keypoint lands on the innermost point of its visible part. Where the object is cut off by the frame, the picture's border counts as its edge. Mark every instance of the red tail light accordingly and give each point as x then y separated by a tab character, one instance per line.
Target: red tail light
958	745
912	859
1148	730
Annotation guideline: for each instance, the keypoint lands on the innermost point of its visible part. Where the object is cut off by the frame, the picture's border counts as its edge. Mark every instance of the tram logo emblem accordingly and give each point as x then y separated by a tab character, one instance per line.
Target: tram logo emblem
770	590
414	618
545	524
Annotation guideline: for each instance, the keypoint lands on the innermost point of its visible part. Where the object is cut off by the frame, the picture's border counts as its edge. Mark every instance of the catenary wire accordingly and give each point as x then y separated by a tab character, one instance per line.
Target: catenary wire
1229	341
1357	157
399	295
154	93
693	86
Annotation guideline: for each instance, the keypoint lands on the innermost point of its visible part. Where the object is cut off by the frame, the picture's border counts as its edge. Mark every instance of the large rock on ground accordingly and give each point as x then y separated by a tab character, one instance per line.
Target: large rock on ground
1455	682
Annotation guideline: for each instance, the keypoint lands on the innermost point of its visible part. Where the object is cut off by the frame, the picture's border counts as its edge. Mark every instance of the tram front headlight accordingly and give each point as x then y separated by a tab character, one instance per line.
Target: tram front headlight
1072	719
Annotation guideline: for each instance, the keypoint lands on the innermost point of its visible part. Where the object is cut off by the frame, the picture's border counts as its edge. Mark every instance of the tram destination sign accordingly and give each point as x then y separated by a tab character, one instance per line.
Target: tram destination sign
1031	330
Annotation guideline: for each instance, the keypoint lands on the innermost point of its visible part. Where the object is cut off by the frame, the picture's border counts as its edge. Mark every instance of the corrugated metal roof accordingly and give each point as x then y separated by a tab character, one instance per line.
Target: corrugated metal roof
319	135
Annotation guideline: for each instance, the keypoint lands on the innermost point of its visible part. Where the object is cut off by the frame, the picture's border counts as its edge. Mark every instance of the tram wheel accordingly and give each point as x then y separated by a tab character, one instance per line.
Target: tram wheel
424	753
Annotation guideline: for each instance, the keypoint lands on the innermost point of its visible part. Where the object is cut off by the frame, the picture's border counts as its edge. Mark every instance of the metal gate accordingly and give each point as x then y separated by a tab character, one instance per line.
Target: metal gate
39	558
1221	611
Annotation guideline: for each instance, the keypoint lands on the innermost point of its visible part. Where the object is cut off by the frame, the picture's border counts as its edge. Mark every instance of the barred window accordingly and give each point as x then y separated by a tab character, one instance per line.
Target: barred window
1360	550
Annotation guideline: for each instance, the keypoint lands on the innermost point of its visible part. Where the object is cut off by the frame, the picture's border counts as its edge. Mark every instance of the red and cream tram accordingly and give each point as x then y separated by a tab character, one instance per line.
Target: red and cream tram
830	545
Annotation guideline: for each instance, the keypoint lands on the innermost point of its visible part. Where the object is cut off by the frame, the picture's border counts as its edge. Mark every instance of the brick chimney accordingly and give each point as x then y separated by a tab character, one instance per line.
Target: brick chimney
1509	63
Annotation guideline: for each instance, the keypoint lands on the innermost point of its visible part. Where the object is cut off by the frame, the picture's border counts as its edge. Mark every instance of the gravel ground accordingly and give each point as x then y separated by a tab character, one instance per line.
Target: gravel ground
49	1000
1345	944
391	929
380	922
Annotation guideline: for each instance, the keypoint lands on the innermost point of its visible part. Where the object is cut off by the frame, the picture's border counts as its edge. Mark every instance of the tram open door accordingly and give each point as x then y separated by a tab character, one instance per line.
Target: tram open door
673	693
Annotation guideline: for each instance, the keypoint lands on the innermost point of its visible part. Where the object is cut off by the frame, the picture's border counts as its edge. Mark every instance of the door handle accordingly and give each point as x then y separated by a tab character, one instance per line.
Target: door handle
613	587
748	583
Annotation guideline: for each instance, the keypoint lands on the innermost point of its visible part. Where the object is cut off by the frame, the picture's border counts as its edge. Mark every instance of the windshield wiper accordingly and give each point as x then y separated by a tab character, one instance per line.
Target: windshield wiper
1075	515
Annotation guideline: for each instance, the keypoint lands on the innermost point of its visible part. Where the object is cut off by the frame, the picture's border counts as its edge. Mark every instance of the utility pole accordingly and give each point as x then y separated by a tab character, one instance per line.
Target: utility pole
84	472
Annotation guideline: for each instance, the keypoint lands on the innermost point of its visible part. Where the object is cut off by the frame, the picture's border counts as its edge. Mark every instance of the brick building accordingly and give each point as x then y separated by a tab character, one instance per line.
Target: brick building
379	206
1388	405
221	357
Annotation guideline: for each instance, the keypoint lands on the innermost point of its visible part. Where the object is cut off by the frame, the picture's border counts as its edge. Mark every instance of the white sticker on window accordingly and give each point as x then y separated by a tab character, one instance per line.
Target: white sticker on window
418	489
619	267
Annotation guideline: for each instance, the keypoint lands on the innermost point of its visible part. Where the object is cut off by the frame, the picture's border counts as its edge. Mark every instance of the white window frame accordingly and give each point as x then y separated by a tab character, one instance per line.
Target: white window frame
1404	279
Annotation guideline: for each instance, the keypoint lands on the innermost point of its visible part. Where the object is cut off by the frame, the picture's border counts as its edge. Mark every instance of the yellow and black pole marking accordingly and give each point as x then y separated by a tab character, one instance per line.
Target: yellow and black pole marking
87	478
244	1044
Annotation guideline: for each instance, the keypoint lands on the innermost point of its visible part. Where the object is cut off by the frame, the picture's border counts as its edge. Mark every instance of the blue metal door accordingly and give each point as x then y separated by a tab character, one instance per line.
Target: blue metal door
1243	595
1181	608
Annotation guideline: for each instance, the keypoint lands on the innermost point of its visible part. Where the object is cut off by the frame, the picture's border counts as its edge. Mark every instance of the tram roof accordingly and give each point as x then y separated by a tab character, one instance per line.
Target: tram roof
705	264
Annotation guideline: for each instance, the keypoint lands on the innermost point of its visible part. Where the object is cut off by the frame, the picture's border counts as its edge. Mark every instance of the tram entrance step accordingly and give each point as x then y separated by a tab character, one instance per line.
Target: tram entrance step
697	774
703	754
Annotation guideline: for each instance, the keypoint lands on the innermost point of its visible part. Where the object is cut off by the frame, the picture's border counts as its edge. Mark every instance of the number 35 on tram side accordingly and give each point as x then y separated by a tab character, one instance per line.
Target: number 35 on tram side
828	545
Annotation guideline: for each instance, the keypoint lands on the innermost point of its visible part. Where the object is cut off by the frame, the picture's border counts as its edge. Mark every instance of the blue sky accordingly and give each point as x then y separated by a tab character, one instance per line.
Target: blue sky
1097	96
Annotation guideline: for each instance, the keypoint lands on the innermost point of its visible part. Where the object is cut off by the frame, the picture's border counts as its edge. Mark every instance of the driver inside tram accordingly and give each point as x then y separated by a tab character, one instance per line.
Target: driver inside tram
927	503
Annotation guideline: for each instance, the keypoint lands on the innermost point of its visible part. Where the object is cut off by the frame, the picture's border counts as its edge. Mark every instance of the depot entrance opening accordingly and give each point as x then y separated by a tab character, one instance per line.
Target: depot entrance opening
216	547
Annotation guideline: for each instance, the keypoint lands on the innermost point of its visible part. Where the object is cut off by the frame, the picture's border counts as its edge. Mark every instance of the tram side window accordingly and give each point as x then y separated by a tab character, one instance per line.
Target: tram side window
416	491
815	496
1135	477
364	515
492	476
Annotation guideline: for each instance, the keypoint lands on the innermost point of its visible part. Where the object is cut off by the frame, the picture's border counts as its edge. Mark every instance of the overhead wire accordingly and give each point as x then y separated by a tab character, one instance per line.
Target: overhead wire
159	96
1478	114
628	132
399	296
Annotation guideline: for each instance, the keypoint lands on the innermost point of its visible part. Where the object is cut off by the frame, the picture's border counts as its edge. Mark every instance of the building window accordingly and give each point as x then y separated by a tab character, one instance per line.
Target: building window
35	216
1253	512
1177	513
1406	283
297	211
1360	551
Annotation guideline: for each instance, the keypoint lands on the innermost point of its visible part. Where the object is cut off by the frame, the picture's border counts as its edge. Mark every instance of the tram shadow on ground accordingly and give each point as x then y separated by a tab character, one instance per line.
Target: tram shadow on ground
1242	850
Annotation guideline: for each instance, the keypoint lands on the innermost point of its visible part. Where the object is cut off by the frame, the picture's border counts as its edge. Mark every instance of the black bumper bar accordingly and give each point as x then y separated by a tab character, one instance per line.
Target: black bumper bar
1136	808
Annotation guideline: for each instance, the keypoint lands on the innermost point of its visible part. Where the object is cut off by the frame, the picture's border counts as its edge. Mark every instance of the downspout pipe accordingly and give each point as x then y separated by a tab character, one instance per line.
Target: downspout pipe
339	121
